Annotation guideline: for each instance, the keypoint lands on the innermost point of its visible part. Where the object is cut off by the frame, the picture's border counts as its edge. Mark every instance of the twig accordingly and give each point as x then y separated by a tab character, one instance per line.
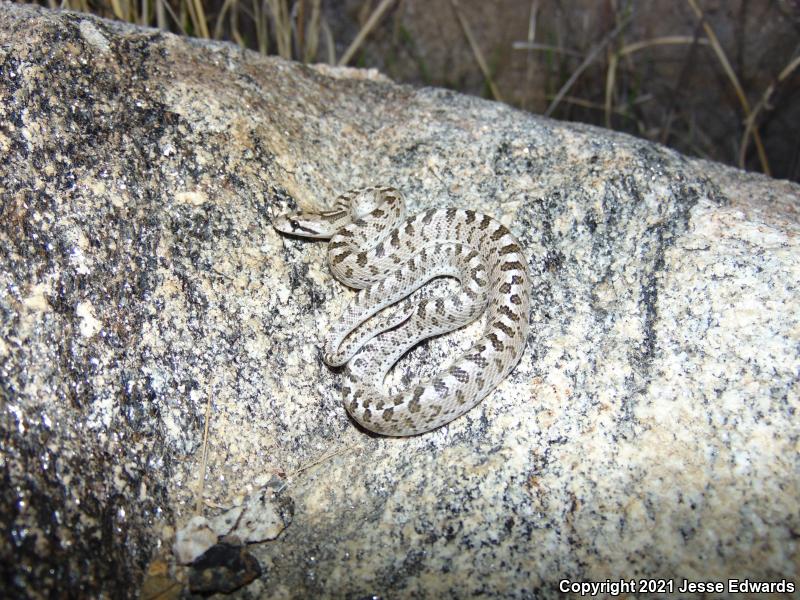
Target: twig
202	477
320	460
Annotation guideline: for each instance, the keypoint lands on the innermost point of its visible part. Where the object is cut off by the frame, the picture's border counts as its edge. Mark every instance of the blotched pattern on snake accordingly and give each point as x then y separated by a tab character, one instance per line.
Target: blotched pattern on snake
373	247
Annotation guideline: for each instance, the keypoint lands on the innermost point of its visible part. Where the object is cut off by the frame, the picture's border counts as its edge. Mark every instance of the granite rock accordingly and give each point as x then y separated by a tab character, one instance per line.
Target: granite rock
650	430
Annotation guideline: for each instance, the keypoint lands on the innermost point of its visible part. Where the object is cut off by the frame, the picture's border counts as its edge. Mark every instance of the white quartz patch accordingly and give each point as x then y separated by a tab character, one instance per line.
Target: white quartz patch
90	324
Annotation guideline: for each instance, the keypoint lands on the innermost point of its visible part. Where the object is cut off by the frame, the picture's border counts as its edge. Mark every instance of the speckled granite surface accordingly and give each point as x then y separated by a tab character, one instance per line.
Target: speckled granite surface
651	429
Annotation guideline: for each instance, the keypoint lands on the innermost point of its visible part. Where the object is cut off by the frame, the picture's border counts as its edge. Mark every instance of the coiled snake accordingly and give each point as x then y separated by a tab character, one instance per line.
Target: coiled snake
374	248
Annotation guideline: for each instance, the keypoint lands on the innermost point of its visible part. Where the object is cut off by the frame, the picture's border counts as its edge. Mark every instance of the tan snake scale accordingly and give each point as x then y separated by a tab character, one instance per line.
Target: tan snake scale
374	248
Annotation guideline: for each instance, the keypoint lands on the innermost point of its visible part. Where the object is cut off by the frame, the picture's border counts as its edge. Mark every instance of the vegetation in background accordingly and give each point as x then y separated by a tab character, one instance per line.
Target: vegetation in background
608	81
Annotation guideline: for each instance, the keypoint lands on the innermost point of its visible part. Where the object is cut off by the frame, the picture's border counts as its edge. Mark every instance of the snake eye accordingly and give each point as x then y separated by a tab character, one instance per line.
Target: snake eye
294	223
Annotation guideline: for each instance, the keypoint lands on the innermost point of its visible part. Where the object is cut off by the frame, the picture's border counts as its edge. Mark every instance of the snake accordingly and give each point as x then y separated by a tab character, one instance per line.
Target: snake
373	247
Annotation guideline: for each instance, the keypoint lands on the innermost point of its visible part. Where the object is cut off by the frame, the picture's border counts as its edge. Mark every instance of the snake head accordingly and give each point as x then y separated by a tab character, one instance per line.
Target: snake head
318	226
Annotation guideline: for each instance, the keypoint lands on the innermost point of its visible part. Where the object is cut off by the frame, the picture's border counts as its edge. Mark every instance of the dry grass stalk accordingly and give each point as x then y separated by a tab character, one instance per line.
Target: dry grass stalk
613	61
229	6
586	62
529	45
197	16
330	47
726	66
282	26
530	41
476	51
750	128
310	46
364	32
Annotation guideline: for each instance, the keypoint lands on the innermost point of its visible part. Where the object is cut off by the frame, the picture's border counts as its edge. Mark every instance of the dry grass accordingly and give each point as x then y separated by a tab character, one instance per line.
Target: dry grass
726	65
370	24
751	129
298	29
292	29
476	50
678	103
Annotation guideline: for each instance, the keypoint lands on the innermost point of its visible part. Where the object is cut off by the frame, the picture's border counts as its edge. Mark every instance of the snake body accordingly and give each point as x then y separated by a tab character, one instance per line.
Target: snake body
374	248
